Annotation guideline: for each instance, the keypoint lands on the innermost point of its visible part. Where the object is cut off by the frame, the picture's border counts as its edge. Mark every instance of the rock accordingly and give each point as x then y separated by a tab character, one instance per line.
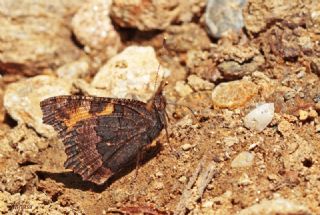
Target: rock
131	74
144	15
232	70
190	9
236	61
182	88
3	206
303	115
182	38
183	179
285	128
93	28
34	37
158	185
233	94
20	8
230	141
22	100
25	141
186	147
15	180
224	16
75	69
207	204
313	114
257	13
276	206
198	83
310	114
244	180
243	159
260	117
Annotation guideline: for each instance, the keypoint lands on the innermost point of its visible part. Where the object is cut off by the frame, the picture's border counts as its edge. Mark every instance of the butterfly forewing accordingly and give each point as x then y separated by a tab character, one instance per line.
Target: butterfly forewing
101	135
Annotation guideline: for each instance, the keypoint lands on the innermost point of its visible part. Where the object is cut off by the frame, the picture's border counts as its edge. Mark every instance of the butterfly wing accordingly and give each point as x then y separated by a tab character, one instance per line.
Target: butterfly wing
100	134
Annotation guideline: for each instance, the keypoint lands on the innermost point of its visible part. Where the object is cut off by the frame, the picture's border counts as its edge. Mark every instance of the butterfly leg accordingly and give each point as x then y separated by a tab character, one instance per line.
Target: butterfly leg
176	153
134	179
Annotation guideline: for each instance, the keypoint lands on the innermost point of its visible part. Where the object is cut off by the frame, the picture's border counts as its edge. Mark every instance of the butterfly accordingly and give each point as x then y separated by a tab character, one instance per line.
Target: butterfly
102	135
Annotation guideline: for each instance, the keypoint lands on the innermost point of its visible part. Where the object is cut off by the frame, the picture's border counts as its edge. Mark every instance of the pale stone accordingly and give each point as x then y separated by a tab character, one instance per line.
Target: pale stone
243	159
131	74
22	100
260	117
93	27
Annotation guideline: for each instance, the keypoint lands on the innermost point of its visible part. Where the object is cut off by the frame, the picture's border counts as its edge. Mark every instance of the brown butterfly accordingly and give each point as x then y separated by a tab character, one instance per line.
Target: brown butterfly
102	135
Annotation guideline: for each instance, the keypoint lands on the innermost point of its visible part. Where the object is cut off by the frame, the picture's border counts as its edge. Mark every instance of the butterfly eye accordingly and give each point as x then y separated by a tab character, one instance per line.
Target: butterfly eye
166	83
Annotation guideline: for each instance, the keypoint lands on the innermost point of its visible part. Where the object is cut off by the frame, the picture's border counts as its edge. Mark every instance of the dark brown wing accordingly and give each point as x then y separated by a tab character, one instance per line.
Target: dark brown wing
100	134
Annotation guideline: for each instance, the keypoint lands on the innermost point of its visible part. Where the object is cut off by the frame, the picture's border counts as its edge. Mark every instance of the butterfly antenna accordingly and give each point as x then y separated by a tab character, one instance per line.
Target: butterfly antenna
158	70
181	105
155	83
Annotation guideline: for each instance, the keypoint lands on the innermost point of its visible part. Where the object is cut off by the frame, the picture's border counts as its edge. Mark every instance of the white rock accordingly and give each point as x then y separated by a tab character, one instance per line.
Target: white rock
243	159
75	69
93	27
131	74
186	147
22	100
259	118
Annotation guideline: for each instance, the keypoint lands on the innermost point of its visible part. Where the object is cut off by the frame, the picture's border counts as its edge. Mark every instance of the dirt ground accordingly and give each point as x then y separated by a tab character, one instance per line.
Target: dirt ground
195	172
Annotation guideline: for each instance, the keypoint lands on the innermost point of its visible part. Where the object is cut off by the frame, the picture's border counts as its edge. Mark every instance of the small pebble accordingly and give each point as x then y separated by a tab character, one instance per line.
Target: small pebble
303	115
159	174
313	114
233	94
158	185
182	179
230	141
301	74
260	117
273	177
186	147
244	180
207	204
285	128
198	83
243	159
182	89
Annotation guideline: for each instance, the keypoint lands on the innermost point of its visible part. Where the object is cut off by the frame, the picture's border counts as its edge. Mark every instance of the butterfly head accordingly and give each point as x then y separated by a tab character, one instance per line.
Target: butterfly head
158	101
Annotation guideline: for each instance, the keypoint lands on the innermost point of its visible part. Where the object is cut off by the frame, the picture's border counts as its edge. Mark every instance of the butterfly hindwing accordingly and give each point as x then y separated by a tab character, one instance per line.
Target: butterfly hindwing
100	134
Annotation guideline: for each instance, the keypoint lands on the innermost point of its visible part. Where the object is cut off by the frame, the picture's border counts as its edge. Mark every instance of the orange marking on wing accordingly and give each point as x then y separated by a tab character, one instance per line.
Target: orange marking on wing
82	113
107	110
79	114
